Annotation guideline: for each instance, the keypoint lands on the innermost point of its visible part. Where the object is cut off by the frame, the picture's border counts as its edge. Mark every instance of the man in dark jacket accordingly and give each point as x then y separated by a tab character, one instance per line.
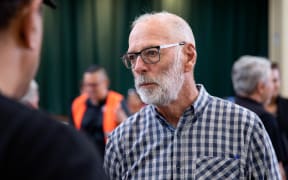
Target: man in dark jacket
252	82
32	145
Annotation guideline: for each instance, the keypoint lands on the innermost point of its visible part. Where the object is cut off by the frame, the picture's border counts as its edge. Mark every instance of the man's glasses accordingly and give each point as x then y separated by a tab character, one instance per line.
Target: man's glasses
150	55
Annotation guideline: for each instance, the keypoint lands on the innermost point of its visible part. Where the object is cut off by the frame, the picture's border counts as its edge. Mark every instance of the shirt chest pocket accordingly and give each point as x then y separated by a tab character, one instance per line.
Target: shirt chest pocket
206	167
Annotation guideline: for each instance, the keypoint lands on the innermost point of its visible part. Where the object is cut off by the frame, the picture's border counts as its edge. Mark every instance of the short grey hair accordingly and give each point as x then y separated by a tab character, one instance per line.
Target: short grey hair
178	24
248	71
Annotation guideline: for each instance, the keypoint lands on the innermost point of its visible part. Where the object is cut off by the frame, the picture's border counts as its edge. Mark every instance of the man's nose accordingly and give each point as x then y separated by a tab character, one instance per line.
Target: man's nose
140	66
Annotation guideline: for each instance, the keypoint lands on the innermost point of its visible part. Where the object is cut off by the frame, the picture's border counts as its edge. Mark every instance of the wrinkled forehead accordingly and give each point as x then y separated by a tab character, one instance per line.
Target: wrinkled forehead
149	33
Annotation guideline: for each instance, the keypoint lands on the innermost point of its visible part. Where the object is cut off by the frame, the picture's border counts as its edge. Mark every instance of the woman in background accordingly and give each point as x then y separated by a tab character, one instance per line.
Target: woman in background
278	106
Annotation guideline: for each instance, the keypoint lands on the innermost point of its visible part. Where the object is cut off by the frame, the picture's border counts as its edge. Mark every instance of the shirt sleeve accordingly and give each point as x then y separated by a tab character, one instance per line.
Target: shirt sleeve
263	162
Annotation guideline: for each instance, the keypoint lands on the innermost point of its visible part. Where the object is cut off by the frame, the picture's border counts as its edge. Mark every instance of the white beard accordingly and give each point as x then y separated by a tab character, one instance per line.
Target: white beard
169	84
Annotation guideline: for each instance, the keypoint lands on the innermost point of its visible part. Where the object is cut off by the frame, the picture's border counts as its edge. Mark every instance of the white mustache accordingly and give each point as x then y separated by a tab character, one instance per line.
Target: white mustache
144	79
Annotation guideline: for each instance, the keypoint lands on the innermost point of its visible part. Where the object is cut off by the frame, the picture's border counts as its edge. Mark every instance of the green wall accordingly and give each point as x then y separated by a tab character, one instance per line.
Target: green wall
84	32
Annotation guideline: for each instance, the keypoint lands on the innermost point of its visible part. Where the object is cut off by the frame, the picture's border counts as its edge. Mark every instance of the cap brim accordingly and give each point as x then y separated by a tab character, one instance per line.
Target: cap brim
50	3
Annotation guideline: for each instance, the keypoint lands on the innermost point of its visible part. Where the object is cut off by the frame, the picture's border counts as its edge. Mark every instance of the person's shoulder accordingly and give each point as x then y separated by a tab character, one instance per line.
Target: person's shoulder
282	100
80	99
8	106
227	105
12	110
36	140
29	122
115	94
132	124
268	119
227	109
15	114
248	121
234	111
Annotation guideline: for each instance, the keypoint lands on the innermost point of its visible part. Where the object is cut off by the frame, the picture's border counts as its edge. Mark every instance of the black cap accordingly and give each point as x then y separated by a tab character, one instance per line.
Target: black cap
50	3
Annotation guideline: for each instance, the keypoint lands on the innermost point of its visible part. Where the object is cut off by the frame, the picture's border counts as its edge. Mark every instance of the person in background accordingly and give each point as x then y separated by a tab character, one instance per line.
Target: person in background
31	98
33	145
134	102
252	82
278	106
182	132
98	110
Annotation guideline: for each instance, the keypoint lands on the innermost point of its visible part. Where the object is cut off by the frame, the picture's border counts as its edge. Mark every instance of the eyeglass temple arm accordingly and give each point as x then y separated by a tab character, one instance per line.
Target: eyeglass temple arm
171	45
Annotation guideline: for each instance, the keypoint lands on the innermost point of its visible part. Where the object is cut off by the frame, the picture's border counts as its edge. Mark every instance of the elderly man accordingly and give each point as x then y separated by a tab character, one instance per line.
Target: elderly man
32	145
252	82
182	132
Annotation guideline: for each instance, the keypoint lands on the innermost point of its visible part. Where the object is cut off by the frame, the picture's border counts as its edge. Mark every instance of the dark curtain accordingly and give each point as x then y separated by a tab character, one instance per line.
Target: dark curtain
80	33
225	30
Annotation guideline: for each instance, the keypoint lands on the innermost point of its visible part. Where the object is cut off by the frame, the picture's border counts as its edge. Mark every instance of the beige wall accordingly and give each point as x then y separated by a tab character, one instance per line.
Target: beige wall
278	38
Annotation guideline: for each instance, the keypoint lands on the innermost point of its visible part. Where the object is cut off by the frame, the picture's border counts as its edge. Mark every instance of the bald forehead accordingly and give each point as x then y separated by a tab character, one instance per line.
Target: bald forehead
162	16
167	24
151	29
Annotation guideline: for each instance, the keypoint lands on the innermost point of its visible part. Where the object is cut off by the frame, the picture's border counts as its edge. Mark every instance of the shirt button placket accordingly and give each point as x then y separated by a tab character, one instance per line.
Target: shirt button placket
177	153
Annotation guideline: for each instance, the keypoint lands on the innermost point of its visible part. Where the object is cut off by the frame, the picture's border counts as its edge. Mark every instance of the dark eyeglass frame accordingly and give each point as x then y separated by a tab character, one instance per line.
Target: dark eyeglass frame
130	63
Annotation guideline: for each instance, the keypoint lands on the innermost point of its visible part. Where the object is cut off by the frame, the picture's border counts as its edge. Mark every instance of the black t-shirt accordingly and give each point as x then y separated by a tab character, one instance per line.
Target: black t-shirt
33	146
282	113
269	123
92	124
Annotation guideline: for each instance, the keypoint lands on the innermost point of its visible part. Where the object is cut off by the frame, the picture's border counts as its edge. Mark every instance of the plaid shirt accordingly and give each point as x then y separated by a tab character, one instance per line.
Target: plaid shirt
214	139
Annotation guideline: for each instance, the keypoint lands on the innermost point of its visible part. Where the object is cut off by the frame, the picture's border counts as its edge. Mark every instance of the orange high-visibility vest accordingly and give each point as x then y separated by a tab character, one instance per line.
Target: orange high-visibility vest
113	101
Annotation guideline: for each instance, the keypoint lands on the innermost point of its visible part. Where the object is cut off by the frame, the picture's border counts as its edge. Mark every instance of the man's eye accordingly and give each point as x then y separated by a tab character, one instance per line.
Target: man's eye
132	57
151	53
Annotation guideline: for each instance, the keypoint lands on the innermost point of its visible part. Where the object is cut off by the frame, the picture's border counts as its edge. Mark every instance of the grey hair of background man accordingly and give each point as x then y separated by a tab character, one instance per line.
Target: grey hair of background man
178	24
248	71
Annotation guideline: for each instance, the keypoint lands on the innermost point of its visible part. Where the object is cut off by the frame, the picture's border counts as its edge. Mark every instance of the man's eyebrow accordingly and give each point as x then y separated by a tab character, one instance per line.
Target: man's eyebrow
151	46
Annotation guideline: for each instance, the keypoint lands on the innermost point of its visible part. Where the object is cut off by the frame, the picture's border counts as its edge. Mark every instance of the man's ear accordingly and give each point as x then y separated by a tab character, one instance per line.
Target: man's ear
29	24
190	57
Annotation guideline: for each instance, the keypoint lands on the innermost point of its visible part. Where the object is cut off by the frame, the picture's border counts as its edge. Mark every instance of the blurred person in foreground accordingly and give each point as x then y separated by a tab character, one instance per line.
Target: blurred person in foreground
182	132
98	110
278	106
32	145
252	82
